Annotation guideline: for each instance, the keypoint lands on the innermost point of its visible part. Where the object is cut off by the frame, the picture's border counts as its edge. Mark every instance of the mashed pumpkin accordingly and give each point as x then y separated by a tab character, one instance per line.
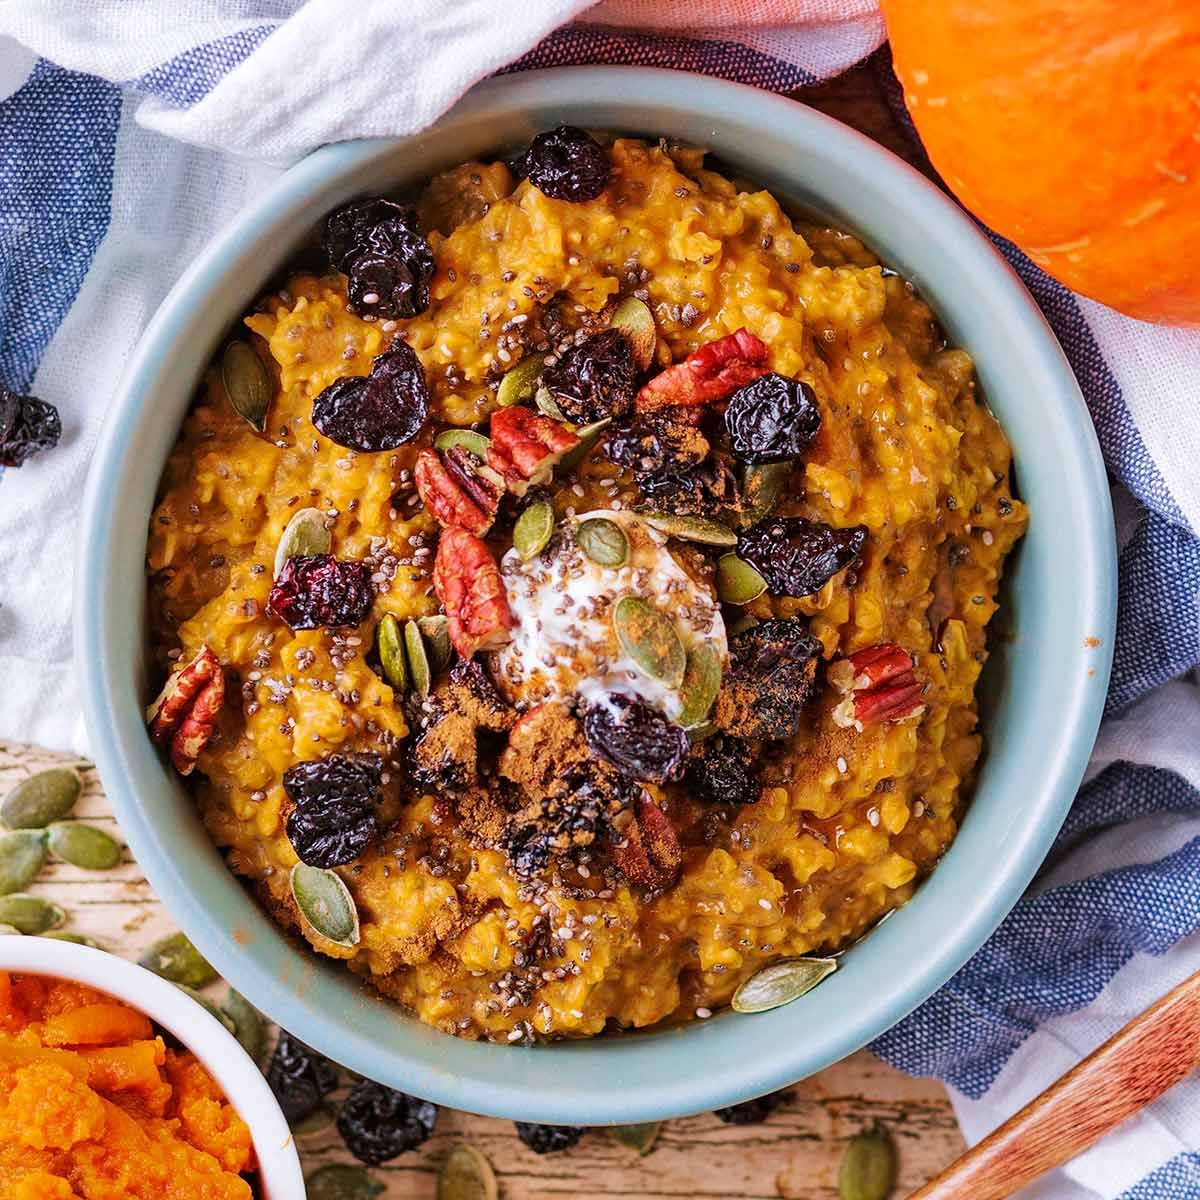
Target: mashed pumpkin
848	821
94	1105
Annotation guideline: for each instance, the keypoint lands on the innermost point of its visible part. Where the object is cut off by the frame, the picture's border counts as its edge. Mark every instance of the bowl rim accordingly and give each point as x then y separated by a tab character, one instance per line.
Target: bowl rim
217	1049
536	1085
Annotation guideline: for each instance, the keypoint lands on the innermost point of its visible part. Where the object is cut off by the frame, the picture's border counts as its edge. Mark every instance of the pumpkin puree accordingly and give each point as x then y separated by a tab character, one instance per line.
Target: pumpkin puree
93	1105
848	823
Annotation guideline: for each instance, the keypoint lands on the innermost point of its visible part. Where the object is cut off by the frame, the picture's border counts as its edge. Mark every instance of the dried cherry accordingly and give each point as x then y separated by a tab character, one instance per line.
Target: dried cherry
724	770
316	591
772	676
548	1139
379	411
300	1077
635	739
333	816
567	163
27	426
752	1112
798	557
594	379
347	229
378	1123
772	419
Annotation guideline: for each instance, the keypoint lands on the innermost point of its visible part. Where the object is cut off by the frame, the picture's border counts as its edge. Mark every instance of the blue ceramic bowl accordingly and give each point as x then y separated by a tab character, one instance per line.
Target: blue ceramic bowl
1044	686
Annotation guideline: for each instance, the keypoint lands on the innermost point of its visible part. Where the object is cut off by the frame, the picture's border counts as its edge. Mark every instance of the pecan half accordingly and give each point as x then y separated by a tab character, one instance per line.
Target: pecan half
526	447
185	713
468	583
711	373
878	684
458	489
650	856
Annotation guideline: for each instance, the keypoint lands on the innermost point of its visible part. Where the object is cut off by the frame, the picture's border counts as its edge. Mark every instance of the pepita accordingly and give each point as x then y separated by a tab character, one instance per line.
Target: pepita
341	1181
547	405
177	960
84	846
635	320
466	1175
762	486
868	1170
30	914
532	531
737	581
47	796
248	1025
79	939
603	541
320	1118
704	530
418	659
637	1137
588	436
781	983
389	644
325	903
436	632
744	622
247	383
649	638
701	682
208	1006
476	443
306	533
22	854
13	930
521	382
698	733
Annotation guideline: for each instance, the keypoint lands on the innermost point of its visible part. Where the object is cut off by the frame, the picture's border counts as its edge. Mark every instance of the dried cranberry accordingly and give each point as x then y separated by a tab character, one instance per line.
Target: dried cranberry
772	676
379	411
724	770
315	591
333	818
798	557
703	491
548	1139
773	419
567	164
348	229
594	379
394	284
26	427
635	739
300	1077
752	1112
377	1123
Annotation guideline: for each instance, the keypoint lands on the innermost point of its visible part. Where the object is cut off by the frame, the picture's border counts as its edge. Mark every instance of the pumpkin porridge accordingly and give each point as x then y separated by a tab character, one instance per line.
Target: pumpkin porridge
573	600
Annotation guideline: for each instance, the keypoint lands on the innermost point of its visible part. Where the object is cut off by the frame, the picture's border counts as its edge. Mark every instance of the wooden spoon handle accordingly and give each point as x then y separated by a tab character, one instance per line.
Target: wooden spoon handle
1144	1059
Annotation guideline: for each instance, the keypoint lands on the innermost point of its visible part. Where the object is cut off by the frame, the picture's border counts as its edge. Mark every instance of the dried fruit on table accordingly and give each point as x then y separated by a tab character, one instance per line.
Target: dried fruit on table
798	557
333	815
723	771
708	375
878	684
378	1123
593	379
379	411
632	737
548	1139
567	163
458	489
27	426
649	856
526	447
773	419
316	591
772	676
468	583
752	1112
300	1077
184	715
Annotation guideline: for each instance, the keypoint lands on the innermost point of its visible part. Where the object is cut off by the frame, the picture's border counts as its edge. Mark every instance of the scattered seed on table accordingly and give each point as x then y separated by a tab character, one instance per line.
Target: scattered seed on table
47	796
84	846
22	854
340	1181
30	914
177	960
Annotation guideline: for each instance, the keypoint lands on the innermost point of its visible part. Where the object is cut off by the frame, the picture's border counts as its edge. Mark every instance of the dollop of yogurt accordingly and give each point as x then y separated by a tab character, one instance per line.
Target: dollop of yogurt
564	643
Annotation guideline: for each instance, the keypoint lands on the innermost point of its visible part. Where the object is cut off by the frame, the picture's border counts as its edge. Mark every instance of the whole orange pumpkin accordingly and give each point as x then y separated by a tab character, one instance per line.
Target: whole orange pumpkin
1072	127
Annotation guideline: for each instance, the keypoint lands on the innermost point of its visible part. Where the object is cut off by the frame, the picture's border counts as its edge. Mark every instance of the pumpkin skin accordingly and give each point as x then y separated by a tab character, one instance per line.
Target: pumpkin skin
1072	127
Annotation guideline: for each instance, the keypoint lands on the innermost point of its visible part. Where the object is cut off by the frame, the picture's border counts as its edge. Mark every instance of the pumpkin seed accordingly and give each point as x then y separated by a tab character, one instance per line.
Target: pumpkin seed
466	1175
868	1170
248	1025
588	436
781	983
30	914
418	660
649	638
637	1137
635	320
701	682
247	383
547	405
341	1181
208	1006
390	646
737	581
306	533
744	622
521	382
22	854
325	903
79	939
532	531
436	632
704	530
698	733
84	846
12	929
762	485
603	541
476	443
177	960
320	1118
47	796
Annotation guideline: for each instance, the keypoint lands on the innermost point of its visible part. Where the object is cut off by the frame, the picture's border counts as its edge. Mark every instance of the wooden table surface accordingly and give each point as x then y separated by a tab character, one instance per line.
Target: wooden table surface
794	1155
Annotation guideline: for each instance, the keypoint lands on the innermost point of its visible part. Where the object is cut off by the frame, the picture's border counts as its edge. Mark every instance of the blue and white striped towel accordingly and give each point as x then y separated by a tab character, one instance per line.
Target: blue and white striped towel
129	133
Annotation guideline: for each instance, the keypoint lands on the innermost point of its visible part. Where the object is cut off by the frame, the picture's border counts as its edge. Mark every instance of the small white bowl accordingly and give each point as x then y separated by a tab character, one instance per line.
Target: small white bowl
279	1174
